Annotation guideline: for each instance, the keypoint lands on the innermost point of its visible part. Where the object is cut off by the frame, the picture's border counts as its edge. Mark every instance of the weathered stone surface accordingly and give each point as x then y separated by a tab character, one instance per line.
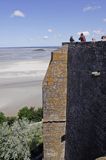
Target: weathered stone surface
71	85
86	100
62	56
54	105
54	147
101	158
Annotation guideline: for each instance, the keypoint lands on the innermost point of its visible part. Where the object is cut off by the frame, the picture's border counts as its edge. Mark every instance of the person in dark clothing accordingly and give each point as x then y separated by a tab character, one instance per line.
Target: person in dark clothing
71	39
82	38
103	38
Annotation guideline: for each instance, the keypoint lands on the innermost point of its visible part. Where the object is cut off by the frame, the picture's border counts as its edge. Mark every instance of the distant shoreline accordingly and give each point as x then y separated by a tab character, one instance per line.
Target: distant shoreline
30	47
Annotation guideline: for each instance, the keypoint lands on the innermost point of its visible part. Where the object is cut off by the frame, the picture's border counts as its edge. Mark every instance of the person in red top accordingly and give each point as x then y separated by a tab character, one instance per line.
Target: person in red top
82	38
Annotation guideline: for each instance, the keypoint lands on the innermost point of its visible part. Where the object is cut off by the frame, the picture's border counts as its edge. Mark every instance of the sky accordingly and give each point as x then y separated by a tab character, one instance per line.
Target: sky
50	22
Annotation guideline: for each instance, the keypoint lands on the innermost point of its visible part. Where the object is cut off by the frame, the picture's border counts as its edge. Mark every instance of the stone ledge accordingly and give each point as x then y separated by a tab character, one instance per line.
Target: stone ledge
101	158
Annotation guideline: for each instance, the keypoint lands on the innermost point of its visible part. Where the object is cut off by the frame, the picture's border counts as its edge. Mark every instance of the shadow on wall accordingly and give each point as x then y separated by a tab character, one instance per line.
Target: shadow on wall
86	101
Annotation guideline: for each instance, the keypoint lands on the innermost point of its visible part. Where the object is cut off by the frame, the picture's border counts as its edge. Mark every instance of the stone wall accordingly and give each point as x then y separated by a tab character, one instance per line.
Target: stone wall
75	81
101	158
54	105
86	101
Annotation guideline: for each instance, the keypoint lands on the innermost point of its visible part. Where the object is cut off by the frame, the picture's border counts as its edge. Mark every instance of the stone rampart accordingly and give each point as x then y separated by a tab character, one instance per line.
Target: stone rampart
74	103
54	105
86	101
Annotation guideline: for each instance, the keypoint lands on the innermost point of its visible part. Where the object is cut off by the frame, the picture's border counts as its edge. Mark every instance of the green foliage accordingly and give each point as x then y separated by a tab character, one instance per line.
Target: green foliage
11	120
19	140
13	142
21	137
24	113
38	115
2	118
31	114
36	144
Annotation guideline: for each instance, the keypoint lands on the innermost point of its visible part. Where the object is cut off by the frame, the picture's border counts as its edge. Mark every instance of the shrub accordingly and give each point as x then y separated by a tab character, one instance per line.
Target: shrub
36	144
38	115
13	142
2	118
31	114
16	141
24	113
10	120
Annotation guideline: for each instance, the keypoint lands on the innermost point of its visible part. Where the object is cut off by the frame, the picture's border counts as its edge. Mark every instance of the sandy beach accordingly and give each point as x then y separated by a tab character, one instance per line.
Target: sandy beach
22	71
17	94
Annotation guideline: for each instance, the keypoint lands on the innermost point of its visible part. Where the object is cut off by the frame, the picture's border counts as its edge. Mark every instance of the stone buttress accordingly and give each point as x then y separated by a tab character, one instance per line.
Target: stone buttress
54	105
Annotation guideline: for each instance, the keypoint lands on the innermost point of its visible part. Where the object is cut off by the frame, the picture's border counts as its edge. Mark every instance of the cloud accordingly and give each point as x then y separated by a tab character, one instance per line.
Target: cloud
104	20
86	33
91	8
50	30
17	13
98	32
45	37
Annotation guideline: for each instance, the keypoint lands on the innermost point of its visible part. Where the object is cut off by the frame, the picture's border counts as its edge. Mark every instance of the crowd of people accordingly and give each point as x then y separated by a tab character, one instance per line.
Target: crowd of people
83	39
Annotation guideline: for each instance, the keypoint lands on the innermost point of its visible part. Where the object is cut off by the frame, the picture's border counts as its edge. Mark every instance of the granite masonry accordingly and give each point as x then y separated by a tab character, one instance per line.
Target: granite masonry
74	103
54	105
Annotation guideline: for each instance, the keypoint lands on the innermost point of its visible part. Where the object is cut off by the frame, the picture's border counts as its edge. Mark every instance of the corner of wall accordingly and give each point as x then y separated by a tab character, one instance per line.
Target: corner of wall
54	105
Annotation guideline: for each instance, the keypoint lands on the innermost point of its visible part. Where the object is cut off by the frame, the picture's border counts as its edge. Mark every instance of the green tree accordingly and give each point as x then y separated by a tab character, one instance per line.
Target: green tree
2	118
31	114
38	115
24	113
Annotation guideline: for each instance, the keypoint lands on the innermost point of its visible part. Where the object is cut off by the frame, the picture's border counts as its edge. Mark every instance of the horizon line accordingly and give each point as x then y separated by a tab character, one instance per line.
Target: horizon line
29	46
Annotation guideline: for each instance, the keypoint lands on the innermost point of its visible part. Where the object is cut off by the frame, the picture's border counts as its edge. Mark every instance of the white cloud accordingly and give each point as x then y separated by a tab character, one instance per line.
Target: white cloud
98	32
50	30
104	19
17	13
45	37
91	8
86	33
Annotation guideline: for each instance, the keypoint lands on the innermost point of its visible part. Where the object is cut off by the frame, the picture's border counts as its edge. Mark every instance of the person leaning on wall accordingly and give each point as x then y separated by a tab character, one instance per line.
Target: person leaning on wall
82	38
103	38
71	39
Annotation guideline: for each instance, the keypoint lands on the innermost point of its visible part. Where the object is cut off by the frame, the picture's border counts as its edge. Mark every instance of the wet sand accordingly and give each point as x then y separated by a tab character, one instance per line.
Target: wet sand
17	93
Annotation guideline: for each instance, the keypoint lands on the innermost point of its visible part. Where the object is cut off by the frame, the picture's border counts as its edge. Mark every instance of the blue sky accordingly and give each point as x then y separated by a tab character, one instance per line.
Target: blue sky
50	22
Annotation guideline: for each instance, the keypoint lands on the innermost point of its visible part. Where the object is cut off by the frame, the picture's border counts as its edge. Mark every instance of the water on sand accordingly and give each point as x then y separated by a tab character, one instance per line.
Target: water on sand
21	74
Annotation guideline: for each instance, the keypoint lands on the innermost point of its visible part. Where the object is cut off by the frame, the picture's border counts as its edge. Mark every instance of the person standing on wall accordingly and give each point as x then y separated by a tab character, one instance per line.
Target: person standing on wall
71	39
82	38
